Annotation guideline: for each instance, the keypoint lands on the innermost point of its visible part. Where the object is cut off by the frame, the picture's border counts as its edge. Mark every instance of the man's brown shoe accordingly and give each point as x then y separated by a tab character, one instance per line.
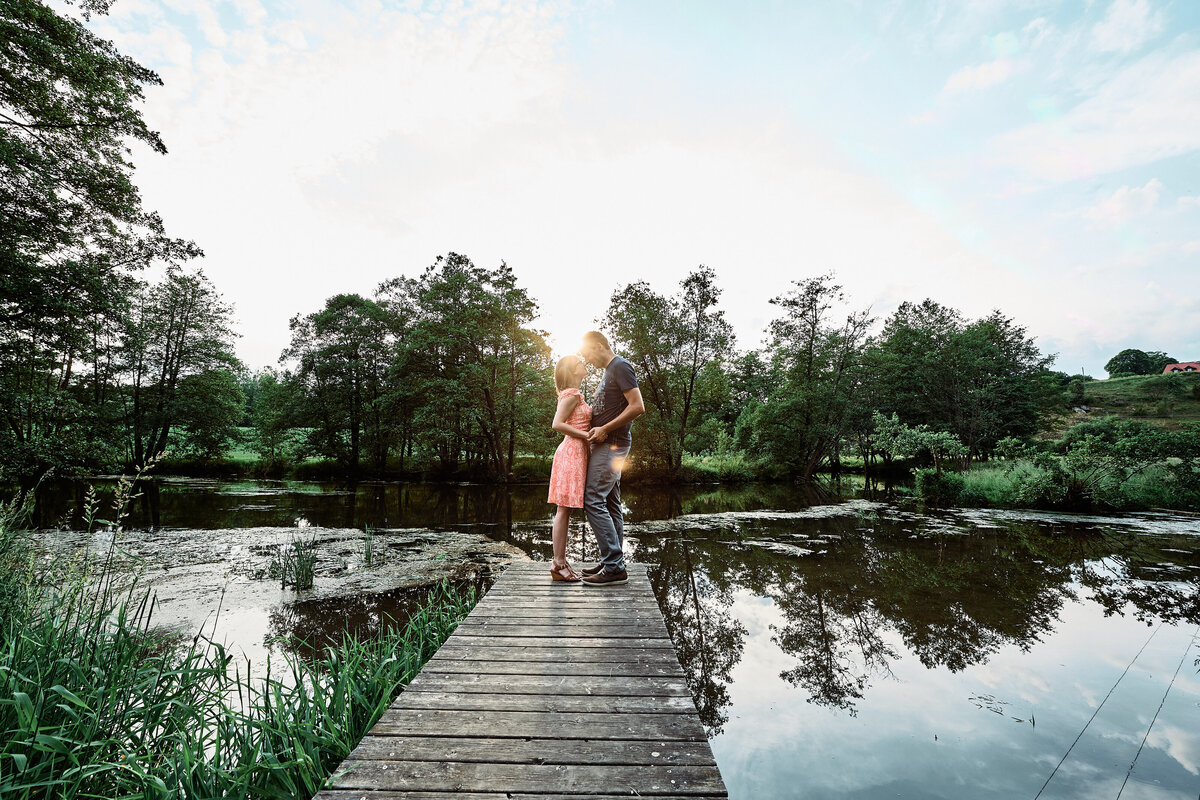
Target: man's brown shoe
592	570
606	578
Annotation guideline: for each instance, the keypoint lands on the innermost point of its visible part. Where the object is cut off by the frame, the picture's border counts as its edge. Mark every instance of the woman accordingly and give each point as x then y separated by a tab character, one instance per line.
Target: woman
572	419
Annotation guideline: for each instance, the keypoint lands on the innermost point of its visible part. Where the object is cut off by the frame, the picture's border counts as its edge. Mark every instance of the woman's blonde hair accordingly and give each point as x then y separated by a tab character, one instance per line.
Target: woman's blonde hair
562	371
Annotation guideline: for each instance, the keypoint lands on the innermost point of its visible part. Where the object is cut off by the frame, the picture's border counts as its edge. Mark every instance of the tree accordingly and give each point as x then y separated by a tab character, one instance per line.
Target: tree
475	364
209	407
74	228
902	441
816	369
177	344
1137	362
443	365
271	415
981	380
678	346
341	355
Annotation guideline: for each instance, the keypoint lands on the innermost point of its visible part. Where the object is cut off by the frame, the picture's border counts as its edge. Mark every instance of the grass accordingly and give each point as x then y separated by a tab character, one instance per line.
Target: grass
1020	484
96	702
719	468
1169	401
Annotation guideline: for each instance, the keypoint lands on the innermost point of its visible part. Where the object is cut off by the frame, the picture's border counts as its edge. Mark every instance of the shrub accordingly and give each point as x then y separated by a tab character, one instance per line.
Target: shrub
938	489
724	468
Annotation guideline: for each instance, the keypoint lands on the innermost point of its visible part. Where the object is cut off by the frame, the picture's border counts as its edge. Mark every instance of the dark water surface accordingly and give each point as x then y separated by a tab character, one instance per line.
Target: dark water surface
834	649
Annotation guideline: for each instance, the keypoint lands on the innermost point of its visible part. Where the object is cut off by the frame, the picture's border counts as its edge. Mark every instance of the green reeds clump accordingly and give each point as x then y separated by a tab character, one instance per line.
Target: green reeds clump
95	702
294	563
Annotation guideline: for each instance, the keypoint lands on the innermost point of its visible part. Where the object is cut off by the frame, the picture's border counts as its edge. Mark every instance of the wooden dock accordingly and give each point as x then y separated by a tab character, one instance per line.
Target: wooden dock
544	691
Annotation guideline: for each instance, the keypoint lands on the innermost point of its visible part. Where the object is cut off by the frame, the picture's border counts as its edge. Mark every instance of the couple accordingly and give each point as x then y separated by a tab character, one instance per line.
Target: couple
587	465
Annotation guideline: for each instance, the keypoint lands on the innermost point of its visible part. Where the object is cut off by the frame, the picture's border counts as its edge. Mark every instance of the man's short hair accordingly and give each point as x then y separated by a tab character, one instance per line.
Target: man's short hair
596	337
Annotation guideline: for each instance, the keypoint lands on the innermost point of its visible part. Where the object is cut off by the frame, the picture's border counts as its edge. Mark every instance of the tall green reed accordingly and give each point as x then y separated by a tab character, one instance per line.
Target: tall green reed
96	703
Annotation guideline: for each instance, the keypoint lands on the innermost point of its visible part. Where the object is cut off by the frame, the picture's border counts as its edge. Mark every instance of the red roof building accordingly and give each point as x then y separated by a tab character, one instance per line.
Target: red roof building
1183	366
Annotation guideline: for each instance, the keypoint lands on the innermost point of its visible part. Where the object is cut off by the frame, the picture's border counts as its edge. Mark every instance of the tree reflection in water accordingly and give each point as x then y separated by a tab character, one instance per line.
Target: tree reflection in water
707	639
854	591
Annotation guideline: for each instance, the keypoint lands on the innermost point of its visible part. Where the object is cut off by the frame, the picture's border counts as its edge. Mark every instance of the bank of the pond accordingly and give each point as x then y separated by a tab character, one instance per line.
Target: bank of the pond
96	701
239	465
1027	485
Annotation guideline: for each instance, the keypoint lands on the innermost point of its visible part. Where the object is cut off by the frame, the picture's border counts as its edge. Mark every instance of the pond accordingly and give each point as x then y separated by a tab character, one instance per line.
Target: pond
835	649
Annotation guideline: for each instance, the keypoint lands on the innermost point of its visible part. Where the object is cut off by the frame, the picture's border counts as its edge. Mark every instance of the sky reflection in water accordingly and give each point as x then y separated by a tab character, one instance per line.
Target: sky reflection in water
959	656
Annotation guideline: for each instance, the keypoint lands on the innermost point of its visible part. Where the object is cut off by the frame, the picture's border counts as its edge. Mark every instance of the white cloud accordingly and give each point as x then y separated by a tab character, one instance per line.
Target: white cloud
1189	201
1127	25
983	76
1125	203
926	117
1181	745
1145	112
1037	31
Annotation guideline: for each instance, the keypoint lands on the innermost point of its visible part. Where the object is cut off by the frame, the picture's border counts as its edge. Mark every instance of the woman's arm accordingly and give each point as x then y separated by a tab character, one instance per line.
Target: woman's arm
566	405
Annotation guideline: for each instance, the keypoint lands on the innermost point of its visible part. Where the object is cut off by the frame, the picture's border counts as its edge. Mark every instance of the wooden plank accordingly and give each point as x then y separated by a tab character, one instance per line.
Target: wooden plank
598	669
649	686
596	599
550	700
547	653
539	615
554	725
564	631
533	751
542	651
458	776
389	794
515	606
566	641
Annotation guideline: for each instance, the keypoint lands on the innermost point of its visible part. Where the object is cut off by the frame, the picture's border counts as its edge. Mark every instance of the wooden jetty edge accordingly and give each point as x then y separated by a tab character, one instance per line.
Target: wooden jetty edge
545	691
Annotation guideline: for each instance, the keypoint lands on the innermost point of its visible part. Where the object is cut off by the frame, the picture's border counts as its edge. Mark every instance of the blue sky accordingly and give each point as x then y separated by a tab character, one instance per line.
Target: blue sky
1036	157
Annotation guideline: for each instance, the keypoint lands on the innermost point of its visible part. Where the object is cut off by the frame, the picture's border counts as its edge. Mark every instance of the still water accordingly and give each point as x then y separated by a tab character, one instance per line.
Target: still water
835	649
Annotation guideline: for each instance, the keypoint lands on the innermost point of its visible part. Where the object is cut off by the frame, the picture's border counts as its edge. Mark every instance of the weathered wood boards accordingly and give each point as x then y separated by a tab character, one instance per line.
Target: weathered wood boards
545	691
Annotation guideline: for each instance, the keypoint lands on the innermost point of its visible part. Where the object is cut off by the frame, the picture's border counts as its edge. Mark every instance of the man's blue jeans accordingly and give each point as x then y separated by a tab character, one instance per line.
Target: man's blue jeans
602	502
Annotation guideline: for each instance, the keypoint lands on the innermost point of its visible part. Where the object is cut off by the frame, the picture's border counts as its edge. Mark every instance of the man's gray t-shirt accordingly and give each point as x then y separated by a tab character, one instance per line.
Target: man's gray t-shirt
610	398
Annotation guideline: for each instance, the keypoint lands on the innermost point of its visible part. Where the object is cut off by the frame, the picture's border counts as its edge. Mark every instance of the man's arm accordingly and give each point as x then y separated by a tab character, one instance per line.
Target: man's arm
632	411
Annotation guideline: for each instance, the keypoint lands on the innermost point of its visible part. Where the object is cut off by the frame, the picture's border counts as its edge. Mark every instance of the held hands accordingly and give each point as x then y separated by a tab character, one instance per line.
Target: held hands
597	434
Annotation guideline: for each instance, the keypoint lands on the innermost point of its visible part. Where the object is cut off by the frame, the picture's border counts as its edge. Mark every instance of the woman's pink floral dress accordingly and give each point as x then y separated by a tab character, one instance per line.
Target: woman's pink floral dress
569	472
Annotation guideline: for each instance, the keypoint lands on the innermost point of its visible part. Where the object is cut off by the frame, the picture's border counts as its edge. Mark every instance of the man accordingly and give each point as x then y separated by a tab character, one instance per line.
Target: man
617	403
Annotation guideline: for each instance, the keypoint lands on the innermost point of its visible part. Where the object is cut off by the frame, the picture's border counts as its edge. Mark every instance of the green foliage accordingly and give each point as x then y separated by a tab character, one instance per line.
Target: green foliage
272	417
815	368
678	346
342	355
1137	362
97	705
209	406
981	380
938	488
1108	463
94	702
730	467
294	562
899	440
476	367
443	367
74	232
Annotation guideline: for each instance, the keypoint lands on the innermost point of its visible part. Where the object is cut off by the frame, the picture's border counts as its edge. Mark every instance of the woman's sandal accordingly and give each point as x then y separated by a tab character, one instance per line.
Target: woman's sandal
563	573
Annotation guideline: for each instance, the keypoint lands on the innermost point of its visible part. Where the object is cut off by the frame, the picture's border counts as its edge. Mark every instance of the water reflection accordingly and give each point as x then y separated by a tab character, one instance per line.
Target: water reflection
854	649
843	603
842	585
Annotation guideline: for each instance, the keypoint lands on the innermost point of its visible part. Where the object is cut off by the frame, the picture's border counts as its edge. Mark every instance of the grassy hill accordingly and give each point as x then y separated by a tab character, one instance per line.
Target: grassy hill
1167	400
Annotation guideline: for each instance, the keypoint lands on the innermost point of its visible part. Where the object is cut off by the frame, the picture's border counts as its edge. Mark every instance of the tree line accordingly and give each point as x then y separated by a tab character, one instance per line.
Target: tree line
444	373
